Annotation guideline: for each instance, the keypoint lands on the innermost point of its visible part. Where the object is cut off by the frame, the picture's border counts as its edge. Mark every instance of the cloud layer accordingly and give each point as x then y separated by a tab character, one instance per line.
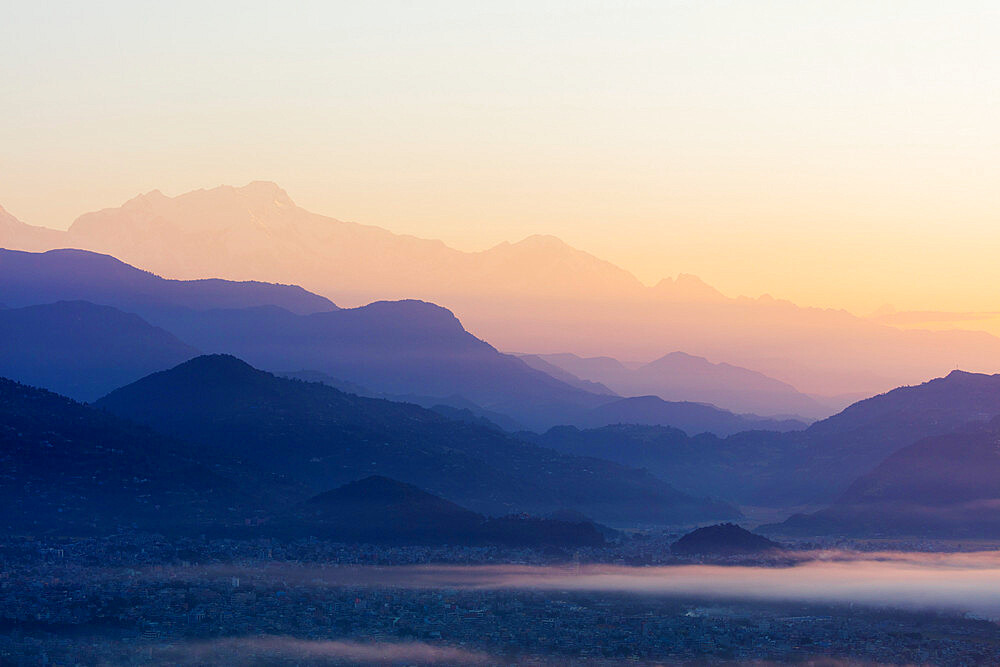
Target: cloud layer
962	582
244	650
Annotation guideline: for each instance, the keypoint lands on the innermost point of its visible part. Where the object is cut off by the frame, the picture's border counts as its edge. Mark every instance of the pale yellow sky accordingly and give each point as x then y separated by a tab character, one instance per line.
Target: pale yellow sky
835	153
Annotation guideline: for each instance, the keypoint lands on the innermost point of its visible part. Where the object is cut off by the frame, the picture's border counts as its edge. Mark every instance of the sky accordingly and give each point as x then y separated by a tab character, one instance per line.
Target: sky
838	153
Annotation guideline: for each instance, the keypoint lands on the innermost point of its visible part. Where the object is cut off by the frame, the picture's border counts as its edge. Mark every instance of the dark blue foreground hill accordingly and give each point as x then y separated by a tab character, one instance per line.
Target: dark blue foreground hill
724	539
70	469
380	510
323	437
946	486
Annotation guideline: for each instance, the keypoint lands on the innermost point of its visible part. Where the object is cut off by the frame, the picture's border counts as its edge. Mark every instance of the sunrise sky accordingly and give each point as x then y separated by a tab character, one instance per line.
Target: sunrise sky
835	153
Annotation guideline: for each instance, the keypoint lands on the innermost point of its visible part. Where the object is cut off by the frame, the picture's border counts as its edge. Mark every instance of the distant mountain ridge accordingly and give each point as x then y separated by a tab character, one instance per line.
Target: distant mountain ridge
405	349
400	348
692	418
395	348
538	362
683	377
31	278
537	294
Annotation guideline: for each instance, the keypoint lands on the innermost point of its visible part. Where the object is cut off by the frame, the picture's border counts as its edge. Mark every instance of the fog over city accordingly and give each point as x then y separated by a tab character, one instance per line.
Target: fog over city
233	650
955	582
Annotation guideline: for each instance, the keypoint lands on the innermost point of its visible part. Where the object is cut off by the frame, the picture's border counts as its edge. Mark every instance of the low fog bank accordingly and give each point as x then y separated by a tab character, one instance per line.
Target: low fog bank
953	582
271	650
277	650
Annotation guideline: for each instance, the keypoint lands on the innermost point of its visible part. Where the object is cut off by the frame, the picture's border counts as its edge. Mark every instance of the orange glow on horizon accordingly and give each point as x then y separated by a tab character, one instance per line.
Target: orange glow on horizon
838	155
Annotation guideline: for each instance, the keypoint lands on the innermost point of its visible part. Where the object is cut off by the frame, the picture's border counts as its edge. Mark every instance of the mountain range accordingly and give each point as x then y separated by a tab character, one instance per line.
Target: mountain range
31	278
223	444
811	466
406	349
692	418
537	294
862	459
219	441
71	469
321	437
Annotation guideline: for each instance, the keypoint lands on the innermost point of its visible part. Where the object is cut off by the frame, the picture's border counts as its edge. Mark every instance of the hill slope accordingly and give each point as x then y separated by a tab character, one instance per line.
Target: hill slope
70	468
942	486
724	539
538	362
82	350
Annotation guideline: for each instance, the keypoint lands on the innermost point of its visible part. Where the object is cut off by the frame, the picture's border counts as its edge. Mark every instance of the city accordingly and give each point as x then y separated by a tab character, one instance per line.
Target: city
137	599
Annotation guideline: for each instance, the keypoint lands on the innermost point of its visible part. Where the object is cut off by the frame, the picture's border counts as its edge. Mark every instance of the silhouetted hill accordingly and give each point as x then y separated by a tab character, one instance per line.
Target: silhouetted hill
800	467
724	539
70	275
906	413
684	377
378	509
68	468
852	442
690	417
942	486
83	350
323	437
382	510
